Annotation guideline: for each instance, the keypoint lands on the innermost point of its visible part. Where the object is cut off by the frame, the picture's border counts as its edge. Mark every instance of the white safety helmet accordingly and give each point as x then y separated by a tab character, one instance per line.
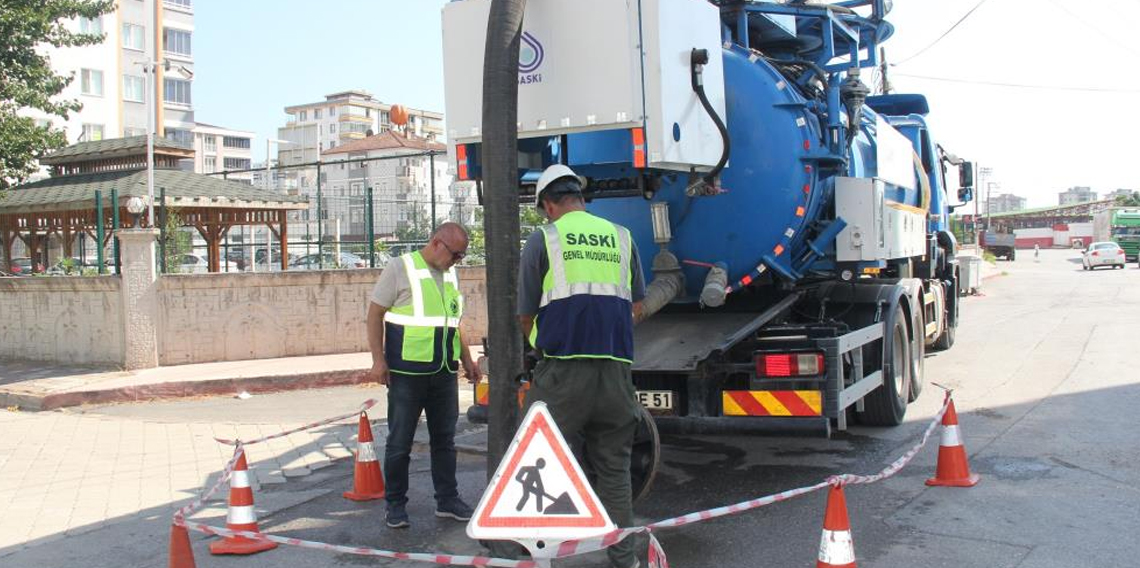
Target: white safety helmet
551	175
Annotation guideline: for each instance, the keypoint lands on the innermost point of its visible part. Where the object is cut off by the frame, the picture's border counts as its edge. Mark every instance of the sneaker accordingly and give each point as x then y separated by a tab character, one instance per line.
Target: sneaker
397	517
454	509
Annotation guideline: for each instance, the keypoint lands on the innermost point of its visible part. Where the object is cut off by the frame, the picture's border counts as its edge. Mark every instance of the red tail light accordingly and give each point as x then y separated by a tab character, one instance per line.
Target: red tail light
461	161
789	364
1120	252
1095	253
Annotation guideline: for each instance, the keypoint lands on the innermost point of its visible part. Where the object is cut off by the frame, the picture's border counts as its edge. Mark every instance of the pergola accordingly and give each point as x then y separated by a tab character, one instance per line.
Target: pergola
65	204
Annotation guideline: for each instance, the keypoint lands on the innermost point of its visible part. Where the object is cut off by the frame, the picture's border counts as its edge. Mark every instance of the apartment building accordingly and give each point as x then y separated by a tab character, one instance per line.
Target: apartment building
1006	202
1075	195
110	77
218	149
401	186
341	118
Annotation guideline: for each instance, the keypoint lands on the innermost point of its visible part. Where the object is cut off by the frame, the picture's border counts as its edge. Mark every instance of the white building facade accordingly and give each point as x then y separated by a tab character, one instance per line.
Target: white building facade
401	186
1075	195
218	149
110	80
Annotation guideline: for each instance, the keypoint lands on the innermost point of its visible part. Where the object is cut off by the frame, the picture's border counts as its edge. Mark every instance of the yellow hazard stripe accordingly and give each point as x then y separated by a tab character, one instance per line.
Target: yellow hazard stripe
772	403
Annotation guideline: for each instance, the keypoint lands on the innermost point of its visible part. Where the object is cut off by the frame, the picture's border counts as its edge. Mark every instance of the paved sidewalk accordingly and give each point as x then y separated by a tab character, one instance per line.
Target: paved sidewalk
63	473
40	386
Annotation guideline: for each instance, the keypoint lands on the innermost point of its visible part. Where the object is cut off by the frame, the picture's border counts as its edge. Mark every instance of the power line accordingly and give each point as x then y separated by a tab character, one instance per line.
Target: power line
1090	26
1020	85
944	34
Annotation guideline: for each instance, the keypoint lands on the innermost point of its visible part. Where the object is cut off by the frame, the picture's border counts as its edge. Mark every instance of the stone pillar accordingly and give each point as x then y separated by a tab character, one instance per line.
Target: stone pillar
140	297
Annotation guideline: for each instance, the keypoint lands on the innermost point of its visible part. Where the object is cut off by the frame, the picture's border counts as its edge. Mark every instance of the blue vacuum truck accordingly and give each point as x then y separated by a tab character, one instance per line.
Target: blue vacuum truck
794	228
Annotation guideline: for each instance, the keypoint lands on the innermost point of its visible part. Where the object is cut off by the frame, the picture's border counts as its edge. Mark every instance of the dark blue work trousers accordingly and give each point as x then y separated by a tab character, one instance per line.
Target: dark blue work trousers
408	397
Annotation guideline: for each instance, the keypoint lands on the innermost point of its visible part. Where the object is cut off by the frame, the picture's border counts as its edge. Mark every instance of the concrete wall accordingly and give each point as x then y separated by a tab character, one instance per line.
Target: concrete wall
67	320
226	317
202	317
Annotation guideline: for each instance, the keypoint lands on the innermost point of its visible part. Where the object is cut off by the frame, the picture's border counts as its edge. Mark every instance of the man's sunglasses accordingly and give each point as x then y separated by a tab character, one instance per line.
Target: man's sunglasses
455	256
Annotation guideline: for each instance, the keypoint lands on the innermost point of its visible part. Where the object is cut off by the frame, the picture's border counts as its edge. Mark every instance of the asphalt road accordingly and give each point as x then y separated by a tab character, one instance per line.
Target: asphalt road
1046	393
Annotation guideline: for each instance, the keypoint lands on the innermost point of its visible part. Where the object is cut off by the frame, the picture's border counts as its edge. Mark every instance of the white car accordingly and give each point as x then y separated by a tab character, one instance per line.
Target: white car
193	263
1103	254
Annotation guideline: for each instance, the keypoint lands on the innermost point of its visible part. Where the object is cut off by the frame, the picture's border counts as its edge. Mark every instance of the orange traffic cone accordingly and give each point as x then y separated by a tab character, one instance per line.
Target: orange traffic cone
241	516
953	468
836	550
181	555
368	481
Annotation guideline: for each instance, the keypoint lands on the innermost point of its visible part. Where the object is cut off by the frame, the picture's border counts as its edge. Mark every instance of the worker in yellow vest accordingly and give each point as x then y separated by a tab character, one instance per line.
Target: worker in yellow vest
413	331
580	284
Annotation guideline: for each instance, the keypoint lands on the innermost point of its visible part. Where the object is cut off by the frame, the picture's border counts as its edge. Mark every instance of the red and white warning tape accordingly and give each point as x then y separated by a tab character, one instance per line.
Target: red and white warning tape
657	558
365	406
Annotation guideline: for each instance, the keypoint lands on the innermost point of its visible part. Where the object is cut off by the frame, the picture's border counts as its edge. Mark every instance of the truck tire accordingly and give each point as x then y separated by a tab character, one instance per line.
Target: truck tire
886	405
918	358
1012	255
645	459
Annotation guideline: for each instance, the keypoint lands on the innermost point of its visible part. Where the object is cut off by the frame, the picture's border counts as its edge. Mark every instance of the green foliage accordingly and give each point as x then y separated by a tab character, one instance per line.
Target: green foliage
1131	200
989	257
530	219
28	82
175	241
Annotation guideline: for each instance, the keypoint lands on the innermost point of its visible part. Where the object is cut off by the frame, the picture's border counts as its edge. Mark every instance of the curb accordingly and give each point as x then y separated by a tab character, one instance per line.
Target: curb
181	389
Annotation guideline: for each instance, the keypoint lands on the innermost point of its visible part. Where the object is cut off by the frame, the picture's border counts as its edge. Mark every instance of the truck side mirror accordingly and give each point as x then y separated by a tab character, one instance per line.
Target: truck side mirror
965	194
966	175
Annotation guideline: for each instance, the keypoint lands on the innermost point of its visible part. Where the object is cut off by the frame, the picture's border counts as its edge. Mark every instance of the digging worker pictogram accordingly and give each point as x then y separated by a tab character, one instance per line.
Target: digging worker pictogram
580	284
531	479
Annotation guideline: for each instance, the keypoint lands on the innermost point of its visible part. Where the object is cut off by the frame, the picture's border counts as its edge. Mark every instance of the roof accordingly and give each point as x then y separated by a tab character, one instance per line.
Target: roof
111	148
183	189
389	140
1058	208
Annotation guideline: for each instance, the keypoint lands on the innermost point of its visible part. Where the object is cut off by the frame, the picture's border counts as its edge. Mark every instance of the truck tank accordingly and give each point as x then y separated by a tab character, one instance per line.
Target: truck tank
774	192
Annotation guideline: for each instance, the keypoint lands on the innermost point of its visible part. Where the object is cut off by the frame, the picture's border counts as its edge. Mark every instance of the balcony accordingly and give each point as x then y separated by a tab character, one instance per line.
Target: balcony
354	118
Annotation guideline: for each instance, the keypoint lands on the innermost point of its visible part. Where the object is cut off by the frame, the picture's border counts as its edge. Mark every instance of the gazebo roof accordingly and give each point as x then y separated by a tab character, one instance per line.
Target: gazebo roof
114	148
183	189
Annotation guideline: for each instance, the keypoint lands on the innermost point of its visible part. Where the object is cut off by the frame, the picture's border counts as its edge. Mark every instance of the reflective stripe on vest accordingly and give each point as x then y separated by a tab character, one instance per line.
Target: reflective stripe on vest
586	302
422	336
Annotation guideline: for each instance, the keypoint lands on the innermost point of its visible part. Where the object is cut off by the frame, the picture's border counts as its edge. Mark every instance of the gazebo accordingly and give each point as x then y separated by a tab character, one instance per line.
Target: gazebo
91	183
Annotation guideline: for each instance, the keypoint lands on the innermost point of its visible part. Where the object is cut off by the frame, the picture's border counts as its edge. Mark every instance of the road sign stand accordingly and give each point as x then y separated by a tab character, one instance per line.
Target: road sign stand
539	497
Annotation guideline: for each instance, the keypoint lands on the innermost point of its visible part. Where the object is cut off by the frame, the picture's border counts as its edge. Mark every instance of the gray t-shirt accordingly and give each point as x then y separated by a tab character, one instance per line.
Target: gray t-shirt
392	287
533	266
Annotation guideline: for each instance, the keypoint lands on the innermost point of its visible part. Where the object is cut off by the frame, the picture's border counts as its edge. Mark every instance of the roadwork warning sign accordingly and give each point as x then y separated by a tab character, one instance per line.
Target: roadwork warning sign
539	492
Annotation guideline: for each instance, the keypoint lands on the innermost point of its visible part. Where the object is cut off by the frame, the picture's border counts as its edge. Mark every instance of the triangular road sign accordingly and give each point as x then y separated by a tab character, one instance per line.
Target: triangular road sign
539	492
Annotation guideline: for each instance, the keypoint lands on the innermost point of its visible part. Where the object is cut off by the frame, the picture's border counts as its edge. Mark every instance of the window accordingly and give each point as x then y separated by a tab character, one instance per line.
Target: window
210	143
332	111
332	144
131	131
176	91
91	82
134	89
316	114
304	115
180	135
237	163
235	142
332	128
134	37
92	132
176	41
185	4
210	164
368	112
91	25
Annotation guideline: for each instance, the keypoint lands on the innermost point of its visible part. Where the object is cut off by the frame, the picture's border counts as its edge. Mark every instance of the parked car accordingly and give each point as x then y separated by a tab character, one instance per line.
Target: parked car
194	263
330	261
1104	253
23	266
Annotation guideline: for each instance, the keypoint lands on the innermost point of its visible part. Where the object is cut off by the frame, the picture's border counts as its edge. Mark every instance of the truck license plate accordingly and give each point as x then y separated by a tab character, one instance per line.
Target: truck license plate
656	400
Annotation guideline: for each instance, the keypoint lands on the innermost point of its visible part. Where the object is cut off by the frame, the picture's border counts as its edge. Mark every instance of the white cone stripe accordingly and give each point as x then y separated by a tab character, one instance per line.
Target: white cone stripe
239	479
836	548
366	452
951	436
241	515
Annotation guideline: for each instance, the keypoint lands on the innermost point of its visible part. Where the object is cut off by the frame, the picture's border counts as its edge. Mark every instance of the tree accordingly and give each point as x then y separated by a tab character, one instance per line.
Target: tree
27	80
1131	200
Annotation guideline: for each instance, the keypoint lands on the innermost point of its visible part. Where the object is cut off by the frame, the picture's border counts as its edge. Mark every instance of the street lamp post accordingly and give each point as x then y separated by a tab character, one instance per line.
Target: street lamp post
150	67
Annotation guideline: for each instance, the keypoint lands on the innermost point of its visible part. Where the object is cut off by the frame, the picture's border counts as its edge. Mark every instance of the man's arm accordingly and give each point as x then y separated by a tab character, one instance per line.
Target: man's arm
379	371
525	324
470	366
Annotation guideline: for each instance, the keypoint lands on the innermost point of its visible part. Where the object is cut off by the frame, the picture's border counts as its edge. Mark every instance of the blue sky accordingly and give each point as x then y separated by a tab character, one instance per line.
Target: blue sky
254	57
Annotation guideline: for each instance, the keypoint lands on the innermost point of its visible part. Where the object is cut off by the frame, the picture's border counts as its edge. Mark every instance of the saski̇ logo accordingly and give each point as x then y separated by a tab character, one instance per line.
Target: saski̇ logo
531	55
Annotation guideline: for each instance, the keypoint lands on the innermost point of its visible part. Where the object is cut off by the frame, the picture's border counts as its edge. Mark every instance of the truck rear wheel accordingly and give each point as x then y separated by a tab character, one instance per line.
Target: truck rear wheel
886	405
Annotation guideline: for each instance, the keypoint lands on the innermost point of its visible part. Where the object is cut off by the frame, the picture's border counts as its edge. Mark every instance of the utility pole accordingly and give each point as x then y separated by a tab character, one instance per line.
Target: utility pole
886	83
